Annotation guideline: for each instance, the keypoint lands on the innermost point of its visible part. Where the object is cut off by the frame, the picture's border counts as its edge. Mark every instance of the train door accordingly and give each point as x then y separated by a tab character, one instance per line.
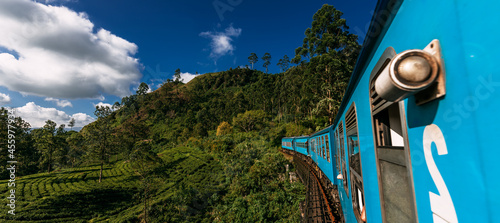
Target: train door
395	179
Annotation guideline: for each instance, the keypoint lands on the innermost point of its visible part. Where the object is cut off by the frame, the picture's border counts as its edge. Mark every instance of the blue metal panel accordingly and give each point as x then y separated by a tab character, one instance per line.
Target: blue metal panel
322	161
465	115
300	149
287	140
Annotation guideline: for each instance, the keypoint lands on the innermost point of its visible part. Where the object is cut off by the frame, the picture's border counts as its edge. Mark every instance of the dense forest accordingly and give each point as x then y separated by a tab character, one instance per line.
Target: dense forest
205	151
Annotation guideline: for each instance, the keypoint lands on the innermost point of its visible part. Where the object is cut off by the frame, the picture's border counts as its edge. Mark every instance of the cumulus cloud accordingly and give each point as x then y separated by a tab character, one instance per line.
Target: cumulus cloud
4	99
221	41
37	115
60	103
53	51
186	77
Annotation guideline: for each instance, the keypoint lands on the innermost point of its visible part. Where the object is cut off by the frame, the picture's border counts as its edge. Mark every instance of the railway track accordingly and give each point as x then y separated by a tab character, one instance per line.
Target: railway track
318	207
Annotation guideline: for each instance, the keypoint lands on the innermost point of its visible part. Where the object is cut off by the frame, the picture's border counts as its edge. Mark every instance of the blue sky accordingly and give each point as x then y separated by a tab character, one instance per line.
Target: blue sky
62	57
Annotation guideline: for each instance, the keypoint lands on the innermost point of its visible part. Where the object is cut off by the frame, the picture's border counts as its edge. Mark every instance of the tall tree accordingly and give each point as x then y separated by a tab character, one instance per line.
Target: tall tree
143	89
45	142
177	75
253	58
24	151
267	58
100	137
332	53
76	142
145	164
284	63
71	123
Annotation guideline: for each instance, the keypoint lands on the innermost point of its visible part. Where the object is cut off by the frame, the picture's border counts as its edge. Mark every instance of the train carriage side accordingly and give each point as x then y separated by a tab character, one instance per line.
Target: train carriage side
320	147
287	143
301	145
422	151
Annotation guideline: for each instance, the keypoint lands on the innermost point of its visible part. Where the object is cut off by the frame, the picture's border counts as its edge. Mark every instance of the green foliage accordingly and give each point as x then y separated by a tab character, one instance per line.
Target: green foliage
143	89
250	120
101	142
47	144
224	128
332	52
177	75
25	153
253	58
71	123
284	63
267	59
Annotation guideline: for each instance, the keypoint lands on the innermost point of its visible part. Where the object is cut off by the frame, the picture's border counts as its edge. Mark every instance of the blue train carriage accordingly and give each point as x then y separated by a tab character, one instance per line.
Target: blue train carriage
347	165
287	143
301	145
320	149
424	95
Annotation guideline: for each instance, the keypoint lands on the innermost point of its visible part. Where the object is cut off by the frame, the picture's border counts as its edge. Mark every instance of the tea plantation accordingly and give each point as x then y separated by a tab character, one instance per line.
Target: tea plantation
187	179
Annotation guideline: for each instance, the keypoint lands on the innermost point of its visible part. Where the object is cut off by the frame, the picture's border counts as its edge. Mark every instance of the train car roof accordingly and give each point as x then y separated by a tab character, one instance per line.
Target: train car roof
381	20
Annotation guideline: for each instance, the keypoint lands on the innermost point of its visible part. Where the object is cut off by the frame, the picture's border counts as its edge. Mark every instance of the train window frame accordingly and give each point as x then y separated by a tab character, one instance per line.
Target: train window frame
355	164
318	142
327	148
392	153
324	147
337	151
320	146
343	157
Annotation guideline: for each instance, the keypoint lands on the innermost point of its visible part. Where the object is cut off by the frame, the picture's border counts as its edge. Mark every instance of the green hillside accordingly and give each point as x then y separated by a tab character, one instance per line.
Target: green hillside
74	195
205	151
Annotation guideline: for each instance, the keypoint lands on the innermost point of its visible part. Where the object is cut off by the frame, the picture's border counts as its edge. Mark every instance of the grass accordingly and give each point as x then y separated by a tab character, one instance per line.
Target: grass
75	195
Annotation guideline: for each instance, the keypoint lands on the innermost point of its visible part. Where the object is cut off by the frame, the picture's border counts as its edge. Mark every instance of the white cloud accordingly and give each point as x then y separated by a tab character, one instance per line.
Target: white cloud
37	115
55	52
81	119
53	1
221	41
4	99
60	103
186	77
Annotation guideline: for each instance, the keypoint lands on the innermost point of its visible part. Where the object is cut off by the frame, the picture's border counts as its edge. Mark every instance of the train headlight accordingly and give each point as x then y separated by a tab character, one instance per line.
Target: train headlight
408	73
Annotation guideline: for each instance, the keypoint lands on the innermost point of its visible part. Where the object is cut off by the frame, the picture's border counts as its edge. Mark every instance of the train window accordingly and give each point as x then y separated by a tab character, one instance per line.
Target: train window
327	149
356	175
320	146
318	149
323	146
342	157
337	153
392	152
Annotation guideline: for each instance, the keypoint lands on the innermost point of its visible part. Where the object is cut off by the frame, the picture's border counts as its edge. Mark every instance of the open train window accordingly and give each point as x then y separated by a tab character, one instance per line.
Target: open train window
324	147
342	157
337	150
356	175
316	145
327	149
391	151
312	145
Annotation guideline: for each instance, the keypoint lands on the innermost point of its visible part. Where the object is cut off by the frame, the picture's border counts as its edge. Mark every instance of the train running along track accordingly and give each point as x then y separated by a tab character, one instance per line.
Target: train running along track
318	207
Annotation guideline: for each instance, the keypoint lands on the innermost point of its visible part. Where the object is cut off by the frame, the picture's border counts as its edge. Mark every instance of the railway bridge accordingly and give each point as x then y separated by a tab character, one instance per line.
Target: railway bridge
322	202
